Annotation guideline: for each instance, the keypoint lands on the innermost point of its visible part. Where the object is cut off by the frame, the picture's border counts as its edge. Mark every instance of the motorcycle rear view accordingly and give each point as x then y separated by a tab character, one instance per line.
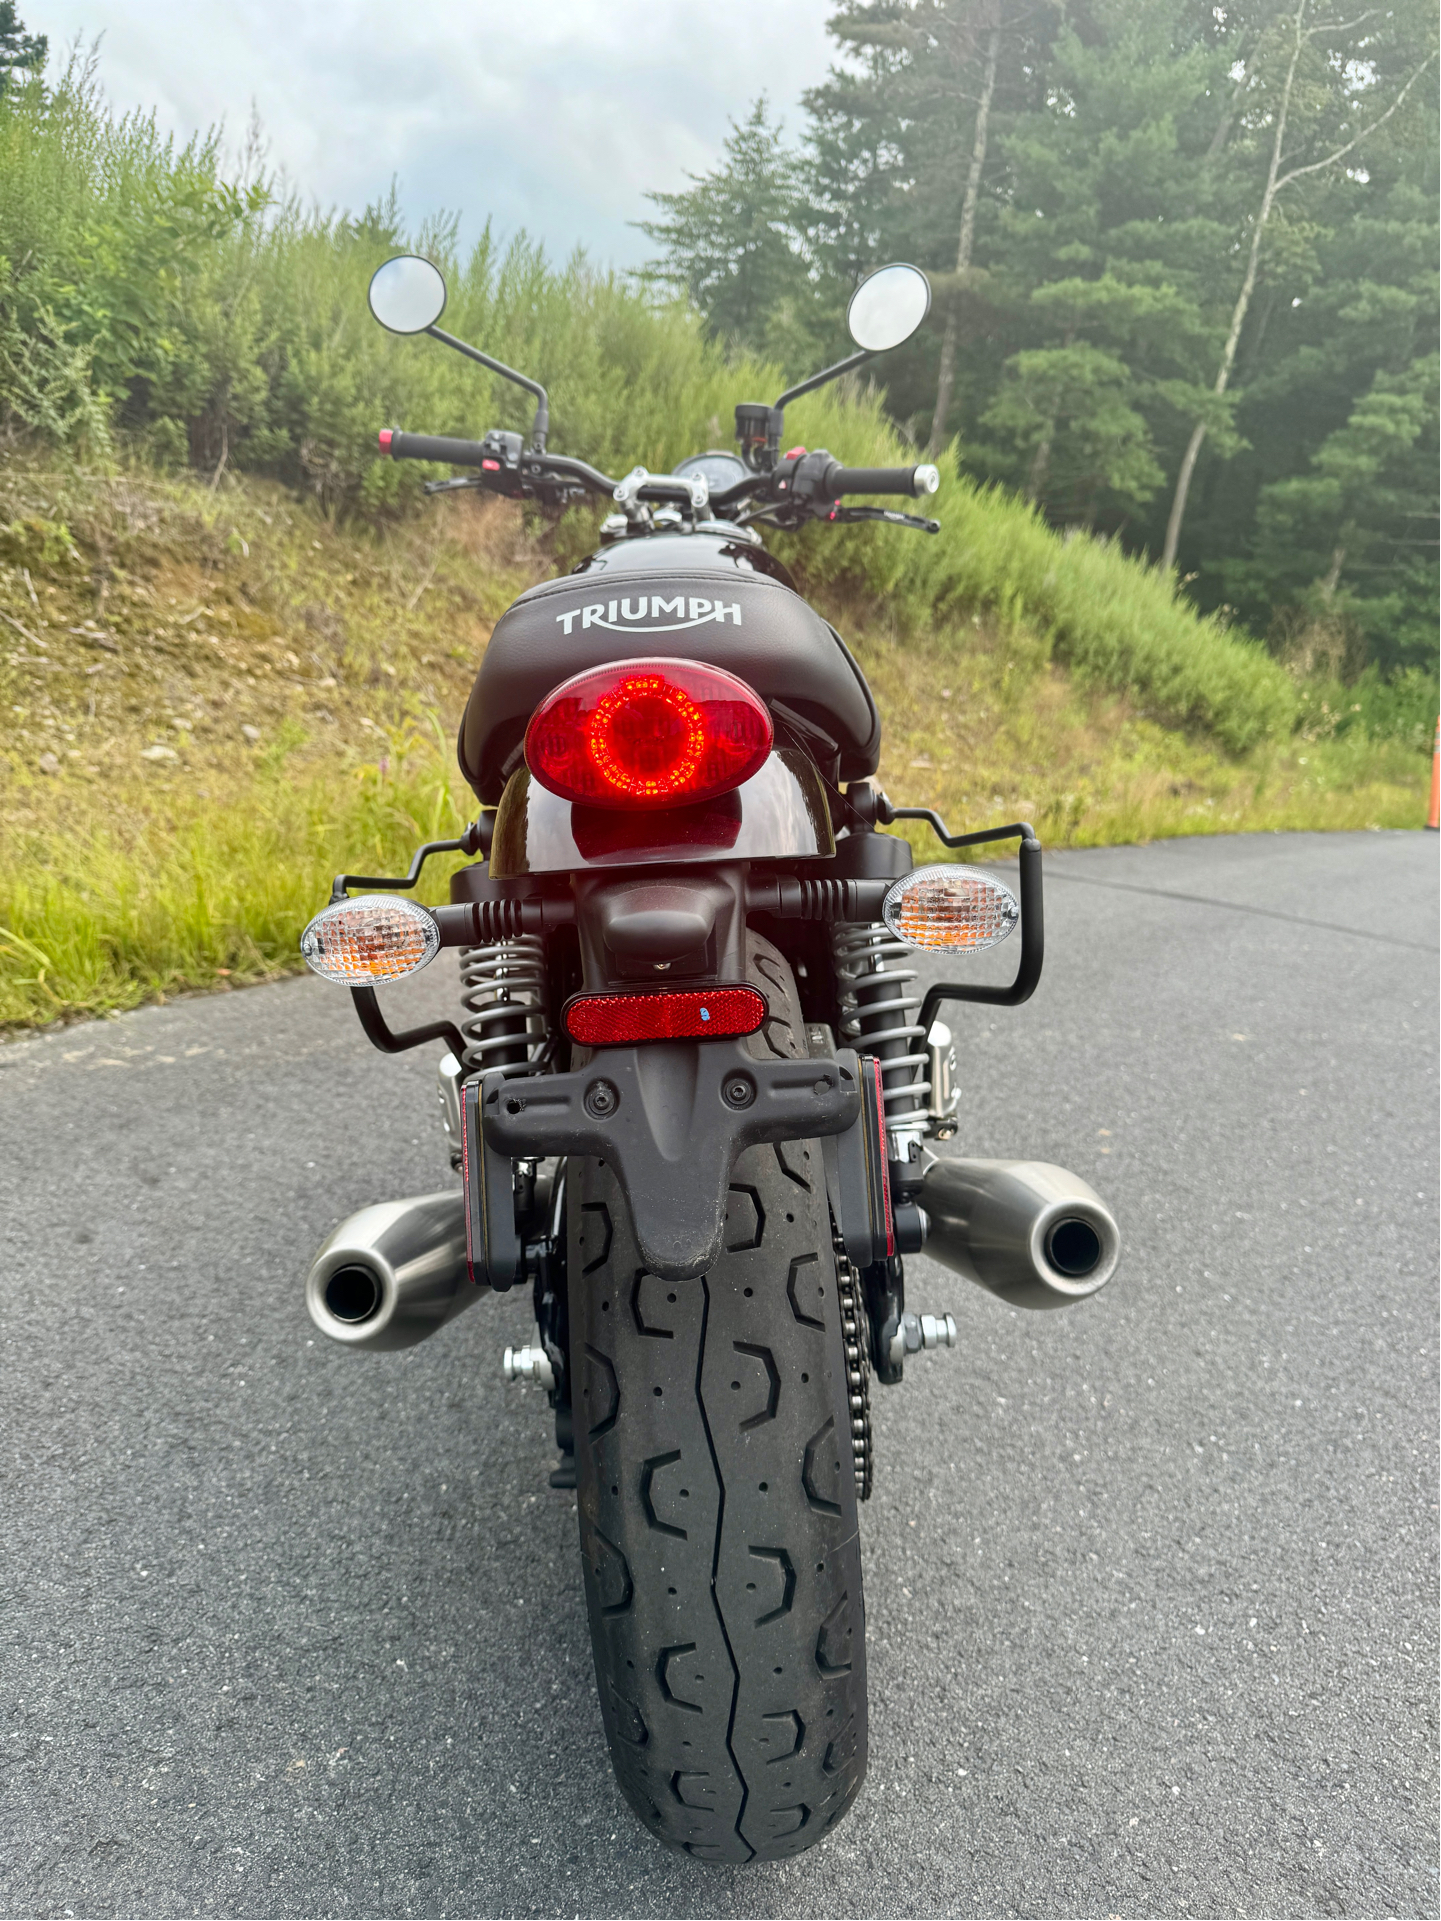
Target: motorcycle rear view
691	1091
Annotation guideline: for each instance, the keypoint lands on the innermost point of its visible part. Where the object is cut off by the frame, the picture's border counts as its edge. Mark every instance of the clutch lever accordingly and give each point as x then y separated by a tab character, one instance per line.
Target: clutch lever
452	486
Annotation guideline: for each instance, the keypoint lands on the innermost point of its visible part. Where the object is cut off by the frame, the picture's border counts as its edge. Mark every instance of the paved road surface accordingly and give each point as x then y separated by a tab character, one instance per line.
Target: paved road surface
288	1631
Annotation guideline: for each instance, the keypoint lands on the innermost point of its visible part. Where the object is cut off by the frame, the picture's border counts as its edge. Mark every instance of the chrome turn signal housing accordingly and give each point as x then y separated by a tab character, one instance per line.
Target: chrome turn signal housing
375	937
953	907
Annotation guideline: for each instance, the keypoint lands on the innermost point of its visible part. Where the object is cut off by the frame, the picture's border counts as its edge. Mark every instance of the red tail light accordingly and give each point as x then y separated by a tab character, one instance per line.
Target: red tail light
688	1014
648	733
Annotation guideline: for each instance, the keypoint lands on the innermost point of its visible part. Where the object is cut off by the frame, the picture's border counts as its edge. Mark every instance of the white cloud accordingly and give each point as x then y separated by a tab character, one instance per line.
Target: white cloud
557	118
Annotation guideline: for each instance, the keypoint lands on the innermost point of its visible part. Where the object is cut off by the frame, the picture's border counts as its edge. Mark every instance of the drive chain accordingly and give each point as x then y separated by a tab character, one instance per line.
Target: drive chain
858	1371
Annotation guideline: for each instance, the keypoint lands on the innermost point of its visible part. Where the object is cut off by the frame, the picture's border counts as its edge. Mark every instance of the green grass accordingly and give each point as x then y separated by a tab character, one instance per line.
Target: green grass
172	890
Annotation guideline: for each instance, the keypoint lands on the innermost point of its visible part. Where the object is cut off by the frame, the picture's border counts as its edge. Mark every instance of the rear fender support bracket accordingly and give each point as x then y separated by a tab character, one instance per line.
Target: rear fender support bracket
670	1118
492	1247
858	1178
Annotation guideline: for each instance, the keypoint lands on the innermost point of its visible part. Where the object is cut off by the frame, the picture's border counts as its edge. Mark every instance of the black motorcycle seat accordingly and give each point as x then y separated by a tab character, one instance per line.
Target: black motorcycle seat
743	621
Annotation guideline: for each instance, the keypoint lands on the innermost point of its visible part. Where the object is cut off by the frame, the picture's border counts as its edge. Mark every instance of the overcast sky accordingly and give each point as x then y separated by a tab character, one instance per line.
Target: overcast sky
554	115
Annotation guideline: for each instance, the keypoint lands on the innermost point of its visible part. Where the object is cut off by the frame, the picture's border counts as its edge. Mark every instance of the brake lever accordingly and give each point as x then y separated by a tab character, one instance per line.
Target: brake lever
883	513
452	486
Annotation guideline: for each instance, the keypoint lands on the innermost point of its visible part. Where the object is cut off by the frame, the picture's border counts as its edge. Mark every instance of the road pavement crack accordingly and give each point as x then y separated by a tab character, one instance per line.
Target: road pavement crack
1237	907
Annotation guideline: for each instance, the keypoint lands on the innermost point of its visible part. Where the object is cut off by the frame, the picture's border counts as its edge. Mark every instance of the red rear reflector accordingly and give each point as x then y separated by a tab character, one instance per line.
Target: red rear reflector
648	733
688	1014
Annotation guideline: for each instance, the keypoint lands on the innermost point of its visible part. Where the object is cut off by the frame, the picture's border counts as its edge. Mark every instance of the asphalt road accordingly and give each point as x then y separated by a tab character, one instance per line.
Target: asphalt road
1151	1597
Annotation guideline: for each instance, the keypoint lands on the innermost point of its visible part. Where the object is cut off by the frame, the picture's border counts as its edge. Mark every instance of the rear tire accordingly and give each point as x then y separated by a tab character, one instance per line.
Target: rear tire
717	1503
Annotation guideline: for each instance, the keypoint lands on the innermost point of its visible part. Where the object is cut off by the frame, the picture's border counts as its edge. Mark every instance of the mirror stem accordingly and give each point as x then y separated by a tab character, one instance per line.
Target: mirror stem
540	426
816	380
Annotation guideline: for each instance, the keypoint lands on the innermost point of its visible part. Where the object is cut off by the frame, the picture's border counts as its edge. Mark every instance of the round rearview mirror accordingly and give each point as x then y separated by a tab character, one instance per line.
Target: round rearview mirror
407	294
888	306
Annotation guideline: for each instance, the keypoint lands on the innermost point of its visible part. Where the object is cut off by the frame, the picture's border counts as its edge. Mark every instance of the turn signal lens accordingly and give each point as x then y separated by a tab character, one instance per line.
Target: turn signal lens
946	906
648	733
375	937
693	1014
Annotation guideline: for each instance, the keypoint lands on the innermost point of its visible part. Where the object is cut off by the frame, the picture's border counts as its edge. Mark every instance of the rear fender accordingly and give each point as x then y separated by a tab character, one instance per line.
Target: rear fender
671	1117
780	813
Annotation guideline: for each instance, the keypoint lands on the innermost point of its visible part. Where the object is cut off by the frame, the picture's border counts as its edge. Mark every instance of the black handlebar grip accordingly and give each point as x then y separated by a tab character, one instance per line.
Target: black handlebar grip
456	453
882	480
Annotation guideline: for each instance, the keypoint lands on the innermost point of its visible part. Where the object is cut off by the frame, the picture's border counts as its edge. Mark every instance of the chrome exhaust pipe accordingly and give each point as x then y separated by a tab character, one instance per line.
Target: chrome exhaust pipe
1032	1233
393	1273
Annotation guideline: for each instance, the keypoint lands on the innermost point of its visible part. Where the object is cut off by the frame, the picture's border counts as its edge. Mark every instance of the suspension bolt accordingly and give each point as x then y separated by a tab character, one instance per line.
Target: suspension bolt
601	1100
528	1364
918	1333
738	1090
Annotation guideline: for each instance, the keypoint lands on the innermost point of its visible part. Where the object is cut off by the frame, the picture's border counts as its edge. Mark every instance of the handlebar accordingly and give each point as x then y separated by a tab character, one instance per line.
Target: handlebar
456	453
807	484
911	481
504	465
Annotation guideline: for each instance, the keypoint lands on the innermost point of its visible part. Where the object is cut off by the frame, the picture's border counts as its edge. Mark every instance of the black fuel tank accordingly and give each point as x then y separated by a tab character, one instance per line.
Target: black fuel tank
727	554
683	596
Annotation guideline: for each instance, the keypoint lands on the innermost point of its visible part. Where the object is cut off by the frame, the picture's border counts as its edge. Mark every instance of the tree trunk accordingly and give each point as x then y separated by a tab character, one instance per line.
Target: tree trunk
1275	181
945	378
1040	462
1243	302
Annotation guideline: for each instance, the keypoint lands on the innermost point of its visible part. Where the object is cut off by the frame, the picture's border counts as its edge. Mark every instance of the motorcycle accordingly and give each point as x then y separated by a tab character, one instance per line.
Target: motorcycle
691	1091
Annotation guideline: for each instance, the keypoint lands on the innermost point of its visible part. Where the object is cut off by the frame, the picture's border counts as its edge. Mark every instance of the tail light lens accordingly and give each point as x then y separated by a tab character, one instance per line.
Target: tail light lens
648	733
375	937
688	1014
946	906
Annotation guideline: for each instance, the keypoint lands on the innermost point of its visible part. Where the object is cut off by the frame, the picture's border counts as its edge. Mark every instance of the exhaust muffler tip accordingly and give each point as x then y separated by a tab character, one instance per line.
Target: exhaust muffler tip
1032	1233
392	1273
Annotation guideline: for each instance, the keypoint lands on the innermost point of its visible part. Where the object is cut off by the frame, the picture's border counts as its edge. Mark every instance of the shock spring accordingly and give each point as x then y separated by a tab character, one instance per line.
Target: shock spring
502	990
878	1009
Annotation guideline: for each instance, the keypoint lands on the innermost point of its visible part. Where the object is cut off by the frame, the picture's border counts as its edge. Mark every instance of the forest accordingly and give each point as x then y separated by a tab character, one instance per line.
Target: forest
1184	259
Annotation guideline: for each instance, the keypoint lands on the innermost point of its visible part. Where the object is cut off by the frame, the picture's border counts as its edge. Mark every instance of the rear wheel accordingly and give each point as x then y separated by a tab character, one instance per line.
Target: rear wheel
717	1504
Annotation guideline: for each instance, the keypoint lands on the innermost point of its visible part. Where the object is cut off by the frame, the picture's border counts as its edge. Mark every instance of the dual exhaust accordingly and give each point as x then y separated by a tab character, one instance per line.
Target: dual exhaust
1032	1234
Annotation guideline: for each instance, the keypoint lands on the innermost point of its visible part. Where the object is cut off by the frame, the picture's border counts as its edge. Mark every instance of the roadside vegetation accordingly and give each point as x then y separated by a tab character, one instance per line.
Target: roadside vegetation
216	698
234	645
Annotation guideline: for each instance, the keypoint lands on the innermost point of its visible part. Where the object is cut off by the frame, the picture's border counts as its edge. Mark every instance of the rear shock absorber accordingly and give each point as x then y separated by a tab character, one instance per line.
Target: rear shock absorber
502	990
878	1015
878	1007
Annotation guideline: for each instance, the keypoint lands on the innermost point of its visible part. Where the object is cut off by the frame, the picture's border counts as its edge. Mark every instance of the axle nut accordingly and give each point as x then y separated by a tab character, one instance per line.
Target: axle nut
738	1090
601	1100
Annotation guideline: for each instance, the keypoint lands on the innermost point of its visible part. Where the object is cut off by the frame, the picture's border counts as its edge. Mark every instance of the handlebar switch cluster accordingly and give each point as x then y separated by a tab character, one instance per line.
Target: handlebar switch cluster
501	452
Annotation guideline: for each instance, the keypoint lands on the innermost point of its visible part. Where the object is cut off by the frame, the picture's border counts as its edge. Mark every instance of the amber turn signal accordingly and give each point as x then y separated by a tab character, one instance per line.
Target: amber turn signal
950	907
375	937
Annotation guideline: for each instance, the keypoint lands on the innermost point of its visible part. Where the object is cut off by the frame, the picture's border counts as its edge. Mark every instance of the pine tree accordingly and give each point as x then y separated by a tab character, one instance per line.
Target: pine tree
733	241
1325	89
1104	265
20	52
